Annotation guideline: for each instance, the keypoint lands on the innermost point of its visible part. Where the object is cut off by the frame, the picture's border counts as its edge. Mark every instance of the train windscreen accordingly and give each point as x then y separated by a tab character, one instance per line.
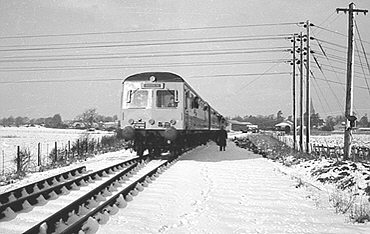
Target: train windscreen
166	98
138	99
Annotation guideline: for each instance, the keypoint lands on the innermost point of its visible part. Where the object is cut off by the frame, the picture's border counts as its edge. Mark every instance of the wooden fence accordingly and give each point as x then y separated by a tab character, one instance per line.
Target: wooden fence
358	153
33	158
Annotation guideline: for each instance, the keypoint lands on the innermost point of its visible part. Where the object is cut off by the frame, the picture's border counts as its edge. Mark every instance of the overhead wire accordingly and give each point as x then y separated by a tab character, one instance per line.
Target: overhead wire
363	49
136	53
141	65
141	55
120	79
145	31
149	43
316	89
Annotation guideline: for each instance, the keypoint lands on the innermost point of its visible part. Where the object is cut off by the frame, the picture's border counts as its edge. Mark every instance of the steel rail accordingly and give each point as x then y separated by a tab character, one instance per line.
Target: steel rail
56	186
77	226
63	214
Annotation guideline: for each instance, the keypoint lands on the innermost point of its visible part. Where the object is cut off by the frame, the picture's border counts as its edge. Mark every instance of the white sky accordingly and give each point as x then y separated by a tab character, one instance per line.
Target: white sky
231	95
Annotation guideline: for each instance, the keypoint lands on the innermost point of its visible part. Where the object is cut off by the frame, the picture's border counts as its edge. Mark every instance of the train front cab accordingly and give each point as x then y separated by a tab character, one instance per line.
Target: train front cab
152	113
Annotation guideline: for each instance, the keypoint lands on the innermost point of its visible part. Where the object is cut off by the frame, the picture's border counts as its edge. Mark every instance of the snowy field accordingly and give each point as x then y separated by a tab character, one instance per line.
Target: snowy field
209	191
29	137
333	140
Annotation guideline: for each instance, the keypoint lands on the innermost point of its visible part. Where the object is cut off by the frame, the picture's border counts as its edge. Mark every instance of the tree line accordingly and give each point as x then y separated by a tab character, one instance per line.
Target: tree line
327	124
88	118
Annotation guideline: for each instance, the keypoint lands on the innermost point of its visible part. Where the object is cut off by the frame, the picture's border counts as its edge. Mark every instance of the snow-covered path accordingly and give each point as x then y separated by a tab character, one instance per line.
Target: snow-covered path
203	193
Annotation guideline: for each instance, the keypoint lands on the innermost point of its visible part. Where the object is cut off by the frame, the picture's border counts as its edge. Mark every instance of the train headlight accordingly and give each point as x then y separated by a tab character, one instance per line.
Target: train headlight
173	122
151	121
131	121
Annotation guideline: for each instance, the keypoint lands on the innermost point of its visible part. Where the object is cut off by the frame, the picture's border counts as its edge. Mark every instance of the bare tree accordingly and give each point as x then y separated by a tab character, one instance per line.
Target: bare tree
89	117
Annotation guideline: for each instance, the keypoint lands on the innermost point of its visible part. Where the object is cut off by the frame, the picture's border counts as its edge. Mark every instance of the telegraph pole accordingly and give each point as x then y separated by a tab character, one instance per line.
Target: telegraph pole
350	119
301	94
308	122
294	88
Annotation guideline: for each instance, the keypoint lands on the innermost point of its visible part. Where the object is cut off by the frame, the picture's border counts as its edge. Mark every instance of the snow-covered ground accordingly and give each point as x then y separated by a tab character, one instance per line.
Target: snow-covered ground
208	191
29	138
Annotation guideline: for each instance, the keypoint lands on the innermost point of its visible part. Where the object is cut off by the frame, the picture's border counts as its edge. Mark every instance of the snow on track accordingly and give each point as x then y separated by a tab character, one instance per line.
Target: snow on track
236	191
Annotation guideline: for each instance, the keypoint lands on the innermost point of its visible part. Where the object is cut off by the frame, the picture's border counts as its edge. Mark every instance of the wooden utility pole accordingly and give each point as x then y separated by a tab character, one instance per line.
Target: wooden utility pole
350	119
294	98
308	122
301	94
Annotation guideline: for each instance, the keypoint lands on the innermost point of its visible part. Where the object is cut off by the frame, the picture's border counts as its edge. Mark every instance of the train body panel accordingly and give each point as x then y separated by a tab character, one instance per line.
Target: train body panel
159	109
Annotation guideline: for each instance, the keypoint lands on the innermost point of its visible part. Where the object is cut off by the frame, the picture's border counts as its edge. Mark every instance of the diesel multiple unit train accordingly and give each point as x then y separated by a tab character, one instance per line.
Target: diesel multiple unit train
160	111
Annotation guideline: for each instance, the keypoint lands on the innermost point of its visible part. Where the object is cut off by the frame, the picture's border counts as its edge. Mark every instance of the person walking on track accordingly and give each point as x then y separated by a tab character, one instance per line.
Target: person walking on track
221	139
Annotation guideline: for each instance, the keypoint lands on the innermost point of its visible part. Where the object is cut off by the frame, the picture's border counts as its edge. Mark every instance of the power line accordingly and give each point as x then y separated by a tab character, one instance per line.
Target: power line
331	43
141	56
145	31
141	41
120	79
151	43
367	61
337	33
340	83
136	53
120	66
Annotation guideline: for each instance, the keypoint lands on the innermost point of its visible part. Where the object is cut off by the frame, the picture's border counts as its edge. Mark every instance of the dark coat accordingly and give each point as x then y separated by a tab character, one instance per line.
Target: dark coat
221	137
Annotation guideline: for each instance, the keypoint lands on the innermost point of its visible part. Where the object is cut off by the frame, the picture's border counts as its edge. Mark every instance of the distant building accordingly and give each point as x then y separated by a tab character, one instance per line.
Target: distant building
241	126
285	126
109	125
78	125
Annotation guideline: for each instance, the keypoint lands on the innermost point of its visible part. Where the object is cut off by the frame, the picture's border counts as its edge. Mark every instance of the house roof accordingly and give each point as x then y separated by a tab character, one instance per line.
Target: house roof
239	122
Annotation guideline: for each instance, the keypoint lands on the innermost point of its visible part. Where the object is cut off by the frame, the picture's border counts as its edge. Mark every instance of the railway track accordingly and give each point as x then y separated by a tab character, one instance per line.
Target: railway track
77	200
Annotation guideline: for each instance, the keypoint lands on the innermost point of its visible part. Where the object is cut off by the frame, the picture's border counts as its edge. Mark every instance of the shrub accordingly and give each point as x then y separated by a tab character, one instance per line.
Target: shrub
24	161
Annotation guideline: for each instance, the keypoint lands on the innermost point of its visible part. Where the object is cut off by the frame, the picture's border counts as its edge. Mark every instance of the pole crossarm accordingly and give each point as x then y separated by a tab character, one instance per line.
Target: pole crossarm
345	10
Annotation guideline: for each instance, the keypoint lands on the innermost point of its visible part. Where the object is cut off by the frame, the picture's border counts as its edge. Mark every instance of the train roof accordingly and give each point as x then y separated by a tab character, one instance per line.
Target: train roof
160	77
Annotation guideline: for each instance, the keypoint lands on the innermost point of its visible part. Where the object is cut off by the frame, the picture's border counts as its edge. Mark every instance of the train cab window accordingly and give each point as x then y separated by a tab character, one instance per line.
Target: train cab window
166	98
138	99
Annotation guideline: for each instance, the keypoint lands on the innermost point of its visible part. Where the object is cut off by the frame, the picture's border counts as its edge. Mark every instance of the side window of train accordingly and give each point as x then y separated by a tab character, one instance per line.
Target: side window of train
187	100
196	103
190	101
166	98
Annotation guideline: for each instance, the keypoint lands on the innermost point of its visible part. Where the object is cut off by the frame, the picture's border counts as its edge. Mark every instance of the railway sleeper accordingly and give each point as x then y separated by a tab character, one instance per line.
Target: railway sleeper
88	218
51	190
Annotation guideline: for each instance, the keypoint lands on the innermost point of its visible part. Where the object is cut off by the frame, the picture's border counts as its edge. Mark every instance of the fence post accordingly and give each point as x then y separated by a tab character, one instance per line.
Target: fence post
87	145
18	159
78	147
56	151
69	148
92	145
39	154
3	162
